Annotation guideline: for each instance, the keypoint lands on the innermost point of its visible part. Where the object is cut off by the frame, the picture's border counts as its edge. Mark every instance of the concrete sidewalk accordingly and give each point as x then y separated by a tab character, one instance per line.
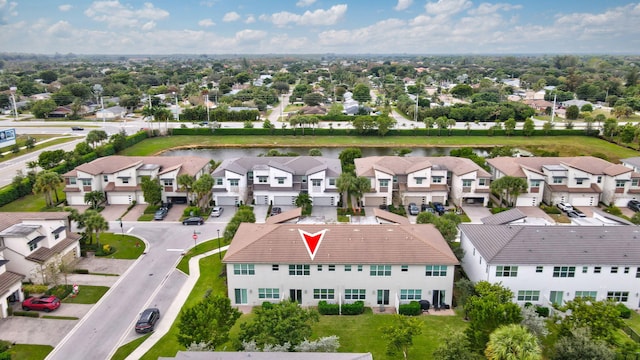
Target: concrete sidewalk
168	317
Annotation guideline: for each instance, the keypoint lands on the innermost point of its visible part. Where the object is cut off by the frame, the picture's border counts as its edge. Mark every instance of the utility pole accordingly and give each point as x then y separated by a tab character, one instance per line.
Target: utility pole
13	90
553	109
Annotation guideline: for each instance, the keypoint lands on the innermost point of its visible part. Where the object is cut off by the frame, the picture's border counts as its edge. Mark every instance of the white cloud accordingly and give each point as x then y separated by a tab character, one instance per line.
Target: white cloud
486	8
65	7
447	7
116	14
250	19
149	25
249	35
305	3
231	16
317	17
7	11
206	22
403	5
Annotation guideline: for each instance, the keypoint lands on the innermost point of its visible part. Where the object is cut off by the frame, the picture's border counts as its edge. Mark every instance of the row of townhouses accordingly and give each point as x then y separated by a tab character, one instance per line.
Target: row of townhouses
30	243
581	180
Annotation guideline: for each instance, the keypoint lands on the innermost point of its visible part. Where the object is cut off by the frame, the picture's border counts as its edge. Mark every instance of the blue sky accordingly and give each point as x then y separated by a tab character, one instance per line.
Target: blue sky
319	26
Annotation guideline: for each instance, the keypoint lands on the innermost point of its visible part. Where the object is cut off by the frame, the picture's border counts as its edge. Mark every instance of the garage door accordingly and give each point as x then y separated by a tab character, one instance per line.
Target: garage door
439	199
284	200
414	199
75	199
120	199
323	201
583	201
375	200
227	200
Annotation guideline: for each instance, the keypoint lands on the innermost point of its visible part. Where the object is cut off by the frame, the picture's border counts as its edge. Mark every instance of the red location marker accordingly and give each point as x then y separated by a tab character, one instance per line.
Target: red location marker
312	241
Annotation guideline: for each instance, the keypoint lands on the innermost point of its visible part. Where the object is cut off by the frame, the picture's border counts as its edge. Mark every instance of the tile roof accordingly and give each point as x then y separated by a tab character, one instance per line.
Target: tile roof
112	164
297	165
399	165
7	219
284	216
504	217
633	161
389	216
512	166
342	244
43	254
8	279
548	245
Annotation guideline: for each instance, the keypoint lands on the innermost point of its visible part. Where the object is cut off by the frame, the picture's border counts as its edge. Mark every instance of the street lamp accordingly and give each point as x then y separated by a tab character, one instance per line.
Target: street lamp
219	250
97	89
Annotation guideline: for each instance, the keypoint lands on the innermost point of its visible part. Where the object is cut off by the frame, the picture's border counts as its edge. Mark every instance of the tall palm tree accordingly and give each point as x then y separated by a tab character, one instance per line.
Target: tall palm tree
361	186
47	182
202	188
512	342
94	198
304	201
94	223
163	114
344	184
185	183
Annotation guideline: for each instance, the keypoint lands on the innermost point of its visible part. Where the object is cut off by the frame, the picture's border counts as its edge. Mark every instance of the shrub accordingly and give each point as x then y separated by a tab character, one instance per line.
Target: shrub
189	209
61	291
625	312
542	311
26	313
550	209
34	289
105	250
356	308
495	210
325	308
81	271
4	345
410	309
613	210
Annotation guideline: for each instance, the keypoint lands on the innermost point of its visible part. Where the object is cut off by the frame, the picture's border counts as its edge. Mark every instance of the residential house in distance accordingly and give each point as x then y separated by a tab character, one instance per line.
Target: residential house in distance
276	180
421	180
551	264
120	177
111	113
580	180
29	244
382	265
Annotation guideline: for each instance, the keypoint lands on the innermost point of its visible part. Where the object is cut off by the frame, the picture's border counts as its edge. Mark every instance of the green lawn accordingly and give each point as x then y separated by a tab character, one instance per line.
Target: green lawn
202	248
126	349
32	203
127	247
634	321
565	145
87	294
36	147
29	352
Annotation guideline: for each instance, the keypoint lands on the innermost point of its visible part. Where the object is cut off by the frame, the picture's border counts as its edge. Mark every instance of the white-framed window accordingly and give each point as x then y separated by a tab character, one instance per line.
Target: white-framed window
597	269
275	267
558	180
506	271
539	268
410	294
360	268
635	182
564	271
219	181
384	182
33	246
263	179
86	182
586	294
332	268
234	182
280	180
167	182
72	181
125	180
244	269
404	268
105	178
620	183
467	182
268	293
599	179
585	269
380	270
528	295
347	268
355	294
620	296
436	179
241	296
535	183
614	269
316	182
319	267
323	294
332	181
435	270
482	182
626	269
419	181
579	181
299	270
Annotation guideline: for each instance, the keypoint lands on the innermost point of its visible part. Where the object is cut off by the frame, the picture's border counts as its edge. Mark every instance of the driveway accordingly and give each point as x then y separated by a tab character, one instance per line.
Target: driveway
475	213
114	212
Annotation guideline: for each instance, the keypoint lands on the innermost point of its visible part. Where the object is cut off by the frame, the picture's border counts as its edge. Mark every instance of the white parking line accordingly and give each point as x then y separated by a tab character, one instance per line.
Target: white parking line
128	231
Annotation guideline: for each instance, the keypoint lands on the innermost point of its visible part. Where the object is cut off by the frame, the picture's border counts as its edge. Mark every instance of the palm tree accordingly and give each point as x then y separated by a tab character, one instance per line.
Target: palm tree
94	222
202	188
304	201
185	183
512	342
94	198
47	182
163	114
149	112
344	184
361	186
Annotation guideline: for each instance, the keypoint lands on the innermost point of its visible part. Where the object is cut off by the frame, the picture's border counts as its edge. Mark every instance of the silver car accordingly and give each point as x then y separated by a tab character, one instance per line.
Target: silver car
217	211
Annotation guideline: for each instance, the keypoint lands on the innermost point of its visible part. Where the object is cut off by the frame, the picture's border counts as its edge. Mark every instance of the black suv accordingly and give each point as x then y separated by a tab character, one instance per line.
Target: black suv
634	205
147	321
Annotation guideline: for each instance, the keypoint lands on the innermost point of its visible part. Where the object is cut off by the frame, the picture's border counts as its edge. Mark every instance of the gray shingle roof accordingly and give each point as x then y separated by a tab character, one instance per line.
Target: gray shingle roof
547	245
504	217
398	165
298	165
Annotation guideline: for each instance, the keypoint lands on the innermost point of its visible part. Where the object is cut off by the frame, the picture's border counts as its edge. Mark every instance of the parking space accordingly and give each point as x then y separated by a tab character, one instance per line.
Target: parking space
113	212
475	213
134	213
175	213
325	214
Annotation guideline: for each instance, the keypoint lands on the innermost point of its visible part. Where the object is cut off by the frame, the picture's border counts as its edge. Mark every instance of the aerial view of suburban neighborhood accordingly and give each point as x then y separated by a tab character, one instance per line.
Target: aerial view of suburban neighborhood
319	179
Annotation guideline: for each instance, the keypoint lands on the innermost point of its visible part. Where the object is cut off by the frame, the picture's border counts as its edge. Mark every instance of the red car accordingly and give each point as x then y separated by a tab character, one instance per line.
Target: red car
46	303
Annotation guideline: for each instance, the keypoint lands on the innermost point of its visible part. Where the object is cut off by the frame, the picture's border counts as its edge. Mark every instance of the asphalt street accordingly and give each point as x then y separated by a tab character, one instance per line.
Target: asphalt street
151	282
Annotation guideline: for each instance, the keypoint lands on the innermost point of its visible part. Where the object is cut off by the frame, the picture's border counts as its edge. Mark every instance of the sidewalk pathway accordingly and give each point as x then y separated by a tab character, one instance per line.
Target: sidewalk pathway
167	319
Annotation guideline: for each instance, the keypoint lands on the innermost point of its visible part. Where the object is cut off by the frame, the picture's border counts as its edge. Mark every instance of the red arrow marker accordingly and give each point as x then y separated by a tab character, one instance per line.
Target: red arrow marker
312	241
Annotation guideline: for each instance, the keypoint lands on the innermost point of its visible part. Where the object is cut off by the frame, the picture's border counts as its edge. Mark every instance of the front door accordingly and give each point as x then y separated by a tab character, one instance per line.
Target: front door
437	299
296	295
383	297
556	297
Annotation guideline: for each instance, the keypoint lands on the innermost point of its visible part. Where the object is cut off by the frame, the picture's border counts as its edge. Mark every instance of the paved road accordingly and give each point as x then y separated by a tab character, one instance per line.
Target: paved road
151	281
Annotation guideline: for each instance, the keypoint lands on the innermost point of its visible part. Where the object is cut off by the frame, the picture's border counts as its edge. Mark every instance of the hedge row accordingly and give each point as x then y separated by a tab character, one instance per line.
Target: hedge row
353	132
410	309
356	308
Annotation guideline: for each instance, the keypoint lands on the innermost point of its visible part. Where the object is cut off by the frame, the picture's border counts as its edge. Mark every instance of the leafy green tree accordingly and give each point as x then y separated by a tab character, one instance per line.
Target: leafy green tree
528	127
47	182
208	322
185	183
94	198
384	123
119	140
602	318
363	124
202	188
41	108
510	187
610	127
455	346
462	91
442	122
50	159
360	186
151	190
244	214
347	157
313	99
426	218
429	122
572	112
303	200
513	342
279	323
94	222
510	126
580	346
30	143
315	152
361	93
489	308
96	136
400	335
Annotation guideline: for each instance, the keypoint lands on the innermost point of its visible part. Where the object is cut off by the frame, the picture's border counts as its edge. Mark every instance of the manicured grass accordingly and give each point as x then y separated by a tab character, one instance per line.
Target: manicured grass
29	352
201	248
36	147
146	217
87	294
565	145
32	203
126	349
60	317
634	321
127	247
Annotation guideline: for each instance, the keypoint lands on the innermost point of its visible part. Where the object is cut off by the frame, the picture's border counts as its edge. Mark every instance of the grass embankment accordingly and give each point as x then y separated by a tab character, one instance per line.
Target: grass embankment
11	155
33	203
29	352
565	145
87	294
127	247
125	350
